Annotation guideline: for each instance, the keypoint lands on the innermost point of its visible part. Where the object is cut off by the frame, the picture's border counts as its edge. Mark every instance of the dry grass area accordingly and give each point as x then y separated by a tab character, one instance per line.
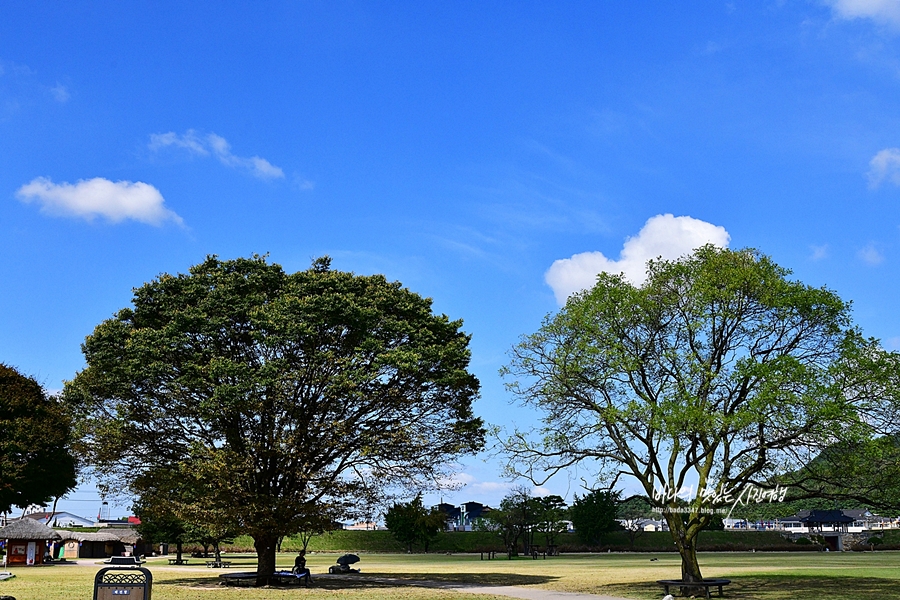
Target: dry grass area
761	576
190	582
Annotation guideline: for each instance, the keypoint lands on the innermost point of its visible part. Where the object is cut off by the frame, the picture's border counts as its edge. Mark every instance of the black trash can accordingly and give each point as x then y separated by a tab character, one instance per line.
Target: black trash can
123	583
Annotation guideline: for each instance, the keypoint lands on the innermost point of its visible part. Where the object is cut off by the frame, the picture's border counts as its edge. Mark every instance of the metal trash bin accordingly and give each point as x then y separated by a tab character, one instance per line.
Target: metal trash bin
123	583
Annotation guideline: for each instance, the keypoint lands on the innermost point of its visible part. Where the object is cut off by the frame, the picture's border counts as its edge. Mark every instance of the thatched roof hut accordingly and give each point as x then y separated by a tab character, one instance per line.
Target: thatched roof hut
27	541
100	544
126	536
87	536
28	530
84	544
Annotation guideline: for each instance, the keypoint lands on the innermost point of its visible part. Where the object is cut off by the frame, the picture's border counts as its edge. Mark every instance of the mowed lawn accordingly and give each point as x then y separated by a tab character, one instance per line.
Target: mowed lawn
764	576
759	575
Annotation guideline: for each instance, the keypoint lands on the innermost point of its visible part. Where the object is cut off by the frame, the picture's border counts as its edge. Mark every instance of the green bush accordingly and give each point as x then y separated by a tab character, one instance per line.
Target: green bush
802	541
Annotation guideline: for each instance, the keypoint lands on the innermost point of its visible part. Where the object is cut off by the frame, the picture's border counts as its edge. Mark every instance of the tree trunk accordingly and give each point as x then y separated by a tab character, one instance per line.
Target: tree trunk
690	567
52	512
178	551
265	554
218	551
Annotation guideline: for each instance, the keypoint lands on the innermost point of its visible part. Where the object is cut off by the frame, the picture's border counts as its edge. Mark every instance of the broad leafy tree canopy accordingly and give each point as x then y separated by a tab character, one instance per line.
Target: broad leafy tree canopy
36	464
276	392
713	374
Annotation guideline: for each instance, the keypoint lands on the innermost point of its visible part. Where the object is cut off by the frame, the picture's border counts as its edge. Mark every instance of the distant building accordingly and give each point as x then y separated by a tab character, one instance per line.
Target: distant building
852	520
464	516
638	524
451	514
364	526
60	519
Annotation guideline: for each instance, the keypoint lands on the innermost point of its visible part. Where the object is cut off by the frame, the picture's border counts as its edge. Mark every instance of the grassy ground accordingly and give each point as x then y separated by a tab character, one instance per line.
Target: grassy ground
758	576
762	576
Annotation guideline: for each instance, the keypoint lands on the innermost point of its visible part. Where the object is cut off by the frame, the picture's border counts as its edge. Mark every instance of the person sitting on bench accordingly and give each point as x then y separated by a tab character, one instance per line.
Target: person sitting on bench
300	565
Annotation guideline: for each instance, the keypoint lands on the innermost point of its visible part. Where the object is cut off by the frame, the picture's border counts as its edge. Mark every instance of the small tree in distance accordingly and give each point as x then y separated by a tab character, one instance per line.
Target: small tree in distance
632	513
594	515
412	524
517	519
550	519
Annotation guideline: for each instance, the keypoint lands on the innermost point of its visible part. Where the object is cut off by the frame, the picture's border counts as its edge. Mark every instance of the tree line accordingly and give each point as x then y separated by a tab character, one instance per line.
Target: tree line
527	523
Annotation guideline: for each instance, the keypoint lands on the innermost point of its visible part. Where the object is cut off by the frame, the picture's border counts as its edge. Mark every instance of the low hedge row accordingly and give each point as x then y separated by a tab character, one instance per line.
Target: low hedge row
480	541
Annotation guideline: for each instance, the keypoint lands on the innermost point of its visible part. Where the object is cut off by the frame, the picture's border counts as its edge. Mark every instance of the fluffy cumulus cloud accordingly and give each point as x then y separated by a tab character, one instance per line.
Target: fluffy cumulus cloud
885	166
115	201
885	12
663	236
211	144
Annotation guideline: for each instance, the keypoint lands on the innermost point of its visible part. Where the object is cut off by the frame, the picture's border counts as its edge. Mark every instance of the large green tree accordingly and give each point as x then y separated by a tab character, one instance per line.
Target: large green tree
36	464
275	394
714	374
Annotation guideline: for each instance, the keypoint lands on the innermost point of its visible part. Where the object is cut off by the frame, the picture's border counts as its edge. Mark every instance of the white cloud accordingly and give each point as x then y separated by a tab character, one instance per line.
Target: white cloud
870	254
215	145
455	480
819	252
663	236
116	201
885	12
884	166
60	93
489	487
303	184
460	480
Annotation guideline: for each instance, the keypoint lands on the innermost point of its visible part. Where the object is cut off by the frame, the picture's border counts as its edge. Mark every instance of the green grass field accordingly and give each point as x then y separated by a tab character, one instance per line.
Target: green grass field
763	576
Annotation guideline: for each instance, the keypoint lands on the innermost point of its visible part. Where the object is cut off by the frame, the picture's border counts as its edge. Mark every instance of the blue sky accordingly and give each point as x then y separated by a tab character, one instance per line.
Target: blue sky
462	148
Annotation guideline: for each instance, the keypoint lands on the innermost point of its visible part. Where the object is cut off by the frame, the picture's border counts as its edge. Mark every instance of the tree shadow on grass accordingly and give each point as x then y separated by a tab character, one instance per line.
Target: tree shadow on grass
321	583
779	587
471	578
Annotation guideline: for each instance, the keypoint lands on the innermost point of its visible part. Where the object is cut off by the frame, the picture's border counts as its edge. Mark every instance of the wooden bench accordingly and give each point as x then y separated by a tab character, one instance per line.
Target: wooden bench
175	561
706	583
244	579
218	564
